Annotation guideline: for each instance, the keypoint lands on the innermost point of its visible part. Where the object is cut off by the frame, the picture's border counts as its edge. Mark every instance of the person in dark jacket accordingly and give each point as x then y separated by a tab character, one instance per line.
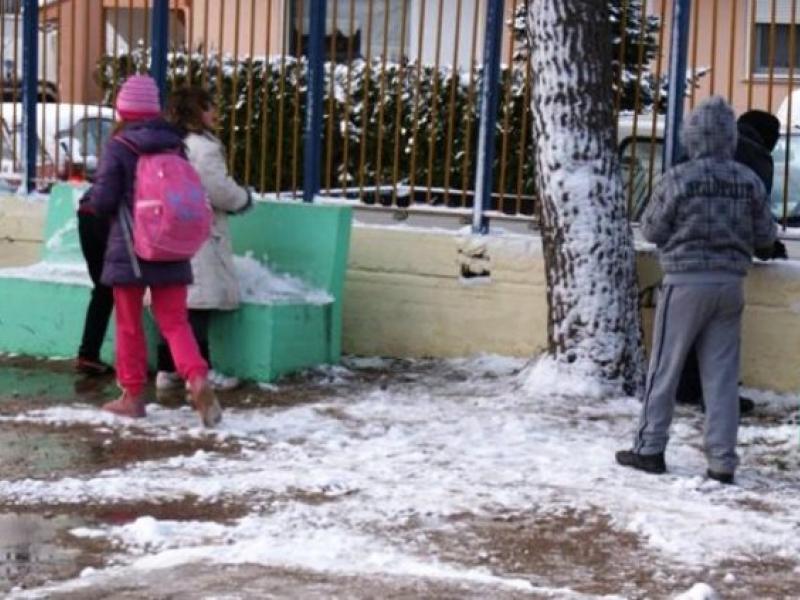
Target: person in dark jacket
144	132
758	132
707	216
93	234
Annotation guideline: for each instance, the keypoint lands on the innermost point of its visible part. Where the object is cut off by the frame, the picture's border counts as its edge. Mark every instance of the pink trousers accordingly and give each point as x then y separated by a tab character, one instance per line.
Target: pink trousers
168	304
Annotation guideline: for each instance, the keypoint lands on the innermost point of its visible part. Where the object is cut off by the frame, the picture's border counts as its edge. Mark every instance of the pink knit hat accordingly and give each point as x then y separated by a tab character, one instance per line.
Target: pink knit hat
137	99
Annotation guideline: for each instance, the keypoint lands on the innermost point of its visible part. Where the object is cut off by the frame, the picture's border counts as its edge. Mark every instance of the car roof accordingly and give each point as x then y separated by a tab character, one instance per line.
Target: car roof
640	126
57	116
783	111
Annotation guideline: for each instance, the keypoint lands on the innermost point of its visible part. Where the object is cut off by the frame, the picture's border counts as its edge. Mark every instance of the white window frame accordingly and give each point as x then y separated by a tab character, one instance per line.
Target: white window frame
763	16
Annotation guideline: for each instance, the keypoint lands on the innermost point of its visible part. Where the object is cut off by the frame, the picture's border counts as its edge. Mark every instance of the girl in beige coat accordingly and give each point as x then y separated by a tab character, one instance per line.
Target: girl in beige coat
215	284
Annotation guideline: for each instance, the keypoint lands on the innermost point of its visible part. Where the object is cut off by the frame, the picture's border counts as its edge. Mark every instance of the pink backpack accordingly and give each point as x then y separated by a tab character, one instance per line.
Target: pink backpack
171	213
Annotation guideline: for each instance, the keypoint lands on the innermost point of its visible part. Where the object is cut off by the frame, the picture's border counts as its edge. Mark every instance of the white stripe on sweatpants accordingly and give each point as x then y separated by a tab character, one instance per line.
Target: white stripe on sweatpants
708	315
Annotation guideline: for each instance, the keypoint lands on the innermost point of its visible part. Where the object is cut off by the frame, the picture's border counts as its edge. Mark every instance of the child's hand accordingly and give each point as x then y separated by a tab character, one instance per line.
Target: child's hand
247	205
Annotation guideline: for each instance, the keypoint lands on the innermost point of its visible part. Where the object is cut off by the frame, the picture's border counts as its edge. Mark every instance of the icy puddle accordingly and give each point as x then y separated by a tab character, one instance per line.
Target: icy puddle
395	479
35	548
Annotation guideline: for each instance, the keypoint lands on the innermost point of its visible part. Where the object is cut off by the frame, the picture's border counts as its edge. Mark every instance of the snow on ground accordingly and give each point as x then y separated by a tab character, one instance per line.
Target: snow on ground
463	437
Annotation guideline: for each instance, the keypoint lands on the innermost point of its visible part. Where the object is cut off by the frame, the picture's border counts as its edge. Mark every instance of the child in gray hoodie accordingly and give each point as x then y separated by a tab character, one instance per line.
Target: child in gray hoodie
707	216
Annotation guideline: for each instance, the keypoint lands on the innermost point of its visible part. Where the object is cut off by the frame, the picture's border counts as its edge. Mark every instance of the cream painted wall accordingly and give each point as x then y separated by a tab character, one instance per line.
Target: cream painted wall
405	297
222	30
21	226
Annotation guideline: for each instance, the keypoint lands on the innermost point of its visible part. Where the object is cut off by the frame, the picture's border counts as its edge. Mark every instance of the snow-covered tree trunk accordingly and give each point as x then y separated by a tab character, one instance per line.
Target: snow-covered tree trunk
593	322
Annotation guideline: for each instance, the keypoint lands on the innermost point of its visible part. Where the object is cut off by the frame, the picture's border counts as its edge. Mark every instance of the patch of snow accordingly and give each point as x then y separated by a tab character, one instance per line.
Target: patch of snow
367	362
768	400
66	273
86	532
473	436
261	285
491	365
699	591
548	377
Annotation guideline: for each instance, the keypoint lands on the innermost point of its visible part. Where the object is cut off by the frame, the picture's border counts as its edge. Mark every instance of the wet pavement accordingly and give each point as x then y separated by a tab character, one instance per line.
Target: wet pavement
566	552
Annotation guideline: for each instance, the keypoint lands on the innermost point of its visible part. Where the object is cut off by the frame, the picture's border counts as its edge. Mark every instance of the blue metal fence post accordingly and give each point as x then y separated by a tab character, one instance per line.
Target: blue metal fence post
30	89
312	143
487	115
159	45
679	49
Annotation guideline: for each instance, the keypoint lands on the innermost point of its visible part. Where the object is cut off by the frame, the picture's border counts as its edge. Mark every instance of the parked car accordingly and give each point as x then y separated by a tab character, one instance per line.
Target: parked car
12	76
641	153
70	138
637	147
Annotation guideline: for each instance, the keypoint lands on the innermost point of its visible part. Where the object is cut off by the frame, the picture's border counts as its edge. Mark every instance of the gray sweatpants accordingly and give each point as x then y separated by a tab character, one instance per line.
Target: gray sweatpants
708	315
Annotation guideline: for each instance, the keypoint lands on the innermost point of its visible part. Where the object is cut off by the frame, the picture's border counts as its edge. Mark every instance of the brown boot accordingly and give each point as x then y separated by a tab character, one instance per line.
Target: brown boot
205	401
127	405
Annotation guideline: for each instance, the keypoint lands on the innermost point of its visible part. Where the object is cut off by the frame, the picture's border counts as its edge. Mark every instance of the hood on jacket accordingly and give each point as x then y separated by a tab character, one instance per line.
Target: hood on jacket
762	124
710	130
152	136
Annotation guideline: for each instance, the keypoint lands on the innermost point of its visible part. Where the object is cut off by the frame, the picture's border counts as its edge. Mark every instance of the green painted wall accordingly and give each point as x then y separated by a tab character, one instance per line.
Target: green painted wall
43	319
310	241
258	342
61	242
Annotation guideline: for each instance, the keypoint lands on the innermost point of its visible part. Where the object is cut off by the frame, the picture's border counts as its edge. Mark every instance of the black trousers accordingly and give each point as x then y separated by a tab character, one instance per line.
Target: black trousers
93	235
690	388
198	319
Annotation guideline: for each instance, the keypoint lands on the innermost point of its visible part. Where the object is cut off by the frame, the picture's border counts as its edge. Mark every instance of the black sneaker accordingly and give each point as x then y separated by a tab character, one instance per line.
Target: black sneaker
93	368
726	478
649	463
746	405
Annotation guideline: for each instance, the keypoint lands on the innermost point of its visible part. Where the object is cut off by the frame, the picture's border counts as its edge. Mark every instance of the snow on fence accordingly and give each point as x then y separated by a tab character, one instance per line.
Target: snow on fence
401	87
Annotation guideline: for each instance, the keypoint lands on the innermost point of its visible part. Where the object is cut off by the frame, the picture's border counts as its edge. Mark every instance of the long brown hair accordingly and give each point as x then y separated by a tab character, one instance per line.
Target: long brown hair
186	107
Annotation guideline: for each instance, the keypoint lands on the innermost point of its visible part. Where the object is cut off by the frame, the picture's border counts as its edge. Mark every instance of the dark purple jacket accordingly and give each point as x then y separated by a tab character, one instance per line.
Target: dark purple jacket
114	185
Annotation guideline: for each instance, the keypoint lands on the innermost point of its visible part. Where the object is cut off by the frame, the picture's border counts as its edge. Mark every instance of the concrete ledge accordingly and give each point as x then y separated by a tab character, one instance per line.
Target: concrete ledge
44	306
32	325
404	295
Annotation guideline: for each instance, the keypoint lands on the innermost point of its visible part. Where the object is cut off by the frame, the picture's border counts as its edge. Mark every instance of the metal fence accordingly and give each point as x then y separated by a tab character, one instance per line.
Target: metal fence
401	89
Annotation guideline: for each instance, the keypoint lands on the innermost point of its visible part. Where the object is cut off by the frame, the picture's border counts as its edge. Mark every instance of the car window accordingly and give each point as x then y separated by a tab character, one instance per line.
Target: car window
787	153
640	162
91	133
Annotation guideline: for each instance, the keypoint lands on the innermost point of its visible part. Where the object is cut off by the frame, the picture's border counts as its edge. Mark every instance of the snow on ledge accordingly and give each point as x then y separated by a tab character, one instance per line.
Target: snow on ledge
258	283
66	273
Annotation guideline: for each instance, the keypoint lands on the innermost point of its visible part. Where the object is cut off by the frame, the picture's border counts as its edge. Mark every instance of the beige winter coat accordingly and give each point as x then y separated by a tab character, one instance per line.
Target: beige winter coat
215	283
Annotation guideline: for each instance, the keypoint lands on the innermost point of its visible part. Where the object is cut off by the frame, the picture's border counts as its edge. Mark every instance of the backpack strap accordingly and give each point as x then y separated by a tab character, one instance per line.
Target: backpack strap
129	145
133	148
126	219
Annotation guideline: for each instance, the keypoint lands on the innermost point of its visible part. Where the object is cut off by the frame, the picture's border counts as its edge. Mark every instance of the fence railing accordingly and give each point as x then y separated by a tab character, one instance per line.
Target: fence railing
400	95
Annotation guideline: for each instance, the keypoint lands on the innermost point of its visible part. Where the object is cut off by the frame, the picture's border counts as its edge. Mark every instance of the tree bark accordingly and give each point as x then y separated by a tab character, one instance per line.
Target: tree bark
594	326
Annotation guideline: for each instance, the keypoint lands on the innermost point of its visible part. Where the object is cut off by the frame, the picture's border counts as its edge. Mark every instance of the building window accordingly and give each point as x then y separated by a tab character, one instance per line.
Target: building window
773	40
348	35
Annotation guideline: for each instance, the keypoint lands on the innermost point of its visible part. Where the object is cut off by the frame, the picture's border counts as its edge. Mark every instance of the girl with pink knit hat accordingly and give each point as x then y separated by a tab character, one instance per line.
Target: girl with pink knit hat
143	131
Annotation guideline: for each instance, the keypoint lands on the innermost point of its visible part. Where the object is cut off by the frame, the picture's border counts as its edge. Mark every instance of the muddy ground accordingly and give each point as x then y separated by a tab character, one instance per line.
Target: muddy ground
574	551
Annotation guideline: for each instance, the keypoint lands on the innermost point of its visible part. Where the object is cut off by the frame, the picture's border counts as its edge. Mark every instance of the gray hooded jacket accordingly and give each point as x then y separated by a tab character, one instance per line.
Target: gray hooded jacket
709	213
